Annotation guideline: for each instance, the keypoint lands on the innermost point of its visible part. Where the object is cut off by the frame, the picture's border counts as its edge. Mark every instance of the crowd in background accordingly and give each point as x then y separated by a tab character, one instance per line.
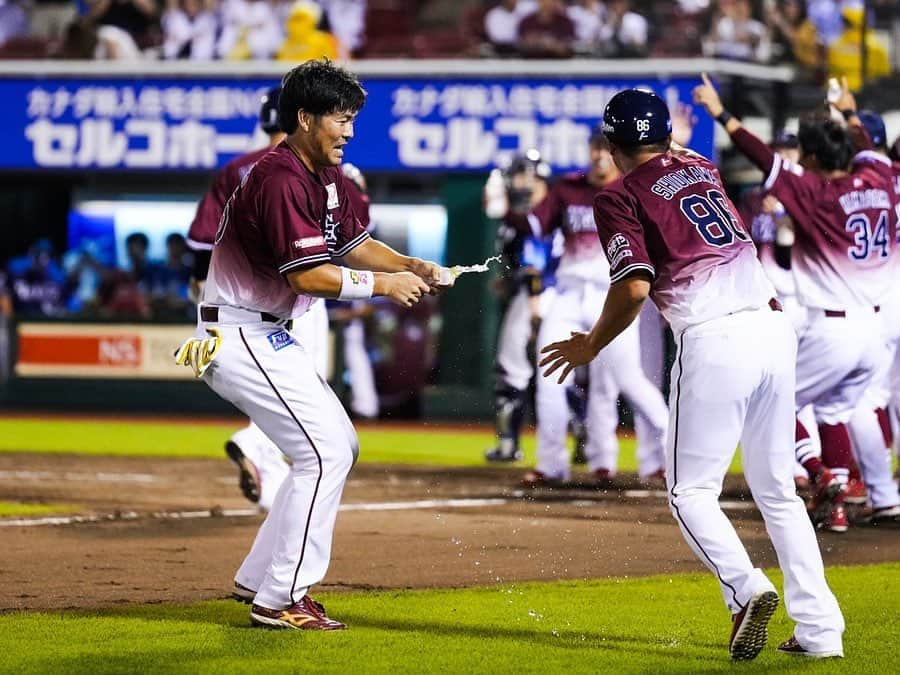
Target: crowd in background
41	284
816	34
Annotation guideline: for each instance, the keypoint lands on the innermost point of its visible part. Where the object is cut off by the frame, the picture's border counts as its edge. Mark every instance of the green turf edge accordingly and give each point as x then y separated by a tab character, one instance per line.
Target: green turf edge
666	623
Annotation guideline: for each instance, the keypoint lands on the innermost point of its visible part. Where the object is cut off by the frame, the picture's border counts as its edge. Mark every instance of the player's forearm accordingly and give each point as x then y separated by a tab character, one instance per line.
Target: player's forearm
379	257
327	281
753	148
622	306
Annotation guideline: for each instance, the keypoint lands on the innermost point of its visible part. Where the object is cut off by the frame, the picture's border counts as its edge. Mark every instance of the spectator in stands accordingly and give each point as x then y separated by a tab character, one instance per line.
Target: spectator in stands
250	30
624	32
547	32
6	307
36	282
138	19
304	39
501	24
826	17
139	266
84	273
13	20
49	18
125	293
588	16
845	53
169	286
346	21
735	34
189	30
794	36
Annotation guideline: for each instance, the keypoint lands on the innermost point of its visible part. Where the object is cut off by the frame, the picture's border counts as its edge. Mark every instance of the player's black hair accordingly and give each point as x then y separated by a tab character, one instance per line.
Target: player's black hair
634	150
320	88
826	140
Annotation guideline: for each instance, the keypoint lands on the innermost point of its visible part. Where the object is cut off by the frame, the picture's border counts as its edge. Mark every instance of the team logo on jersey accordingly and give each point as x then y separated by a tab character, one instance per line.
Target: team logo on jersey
330	231
279	339
618	249
331	189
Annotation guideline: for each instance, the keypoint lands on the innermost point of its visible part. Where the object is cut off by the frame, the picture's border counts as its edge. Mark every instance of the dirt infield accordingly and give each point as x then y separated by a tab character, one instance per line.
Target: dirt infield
175	530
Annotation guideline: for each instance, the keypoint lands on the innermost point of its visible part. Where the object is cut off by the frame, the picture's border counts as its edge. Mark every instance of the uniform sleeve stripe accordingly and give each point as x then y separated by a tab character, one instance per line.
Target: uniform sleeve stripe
536	228
352	244
871	156
628	270
299	262
195	245
773	174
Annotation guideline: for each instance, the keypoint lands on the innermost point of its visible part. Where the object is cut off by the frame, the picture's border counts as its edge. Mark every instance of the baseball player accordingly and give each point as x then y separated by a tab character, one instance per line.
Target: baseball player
870	427
844	225
517	188
582	281
670	232
281	233
261	465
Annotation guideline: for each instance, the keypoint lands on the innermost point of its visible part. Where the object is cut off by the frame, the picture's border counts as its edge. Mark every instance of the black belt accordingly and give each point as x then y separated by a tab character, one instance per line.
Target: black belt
841	314
774	305
211	314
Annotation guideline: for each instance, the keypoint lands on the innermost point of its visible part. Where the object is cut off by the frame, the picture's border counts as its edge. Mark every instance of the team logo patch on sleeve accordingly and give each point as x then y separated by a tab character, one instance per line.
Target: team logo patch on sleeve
618	249
280	339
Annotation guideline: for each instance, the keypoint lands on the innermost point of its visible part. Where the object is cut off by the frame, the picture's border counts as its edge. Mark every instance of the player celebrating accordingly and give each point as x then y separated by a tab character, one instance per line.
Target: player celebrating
582	281
261	465
281	232
844	224
669	231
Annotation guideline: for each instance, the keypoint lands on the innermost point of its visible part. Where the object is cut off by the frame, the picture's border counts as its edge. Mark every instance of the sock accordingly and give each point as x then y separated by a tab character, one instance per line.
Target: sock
837	453
805	452
884	421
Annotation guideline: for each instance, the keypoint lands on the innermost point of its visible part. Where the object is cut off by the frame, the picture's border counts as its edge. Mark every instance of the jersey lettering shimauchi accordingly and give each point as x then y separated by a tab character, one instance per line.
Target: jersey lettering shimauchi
844	226
670	218
569	208
280	219
202	232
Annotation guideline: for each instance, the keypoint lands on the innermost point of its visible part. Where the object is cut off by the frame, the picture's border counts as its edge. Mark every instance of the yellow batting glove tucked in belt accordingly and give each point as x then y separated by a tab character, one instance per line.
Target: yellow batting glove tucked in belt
199	352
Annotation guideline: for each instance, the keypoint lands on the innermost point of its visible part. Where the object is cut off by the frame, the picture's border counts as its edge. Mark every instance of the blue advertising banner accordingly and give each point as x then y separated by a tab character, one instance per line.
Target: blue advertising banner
408	124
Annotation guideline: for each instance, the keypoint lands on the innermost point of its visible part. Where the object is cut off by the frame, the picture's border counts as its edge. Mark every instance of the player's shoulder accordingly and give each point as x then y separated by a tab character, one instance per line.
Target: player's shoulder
615	196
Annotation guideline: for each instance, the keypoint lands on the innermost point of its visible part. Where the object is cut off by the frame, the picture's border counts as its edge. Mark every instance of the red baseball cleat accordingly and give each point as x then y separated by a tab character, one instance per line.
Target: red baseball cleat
794	648
837	520
304	615
855	492
749	631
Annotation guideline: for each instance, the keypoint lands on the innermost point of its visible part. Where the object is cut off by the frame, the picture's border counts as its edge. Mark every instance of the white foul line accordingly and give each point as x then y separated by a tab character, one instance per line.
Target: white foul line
80	477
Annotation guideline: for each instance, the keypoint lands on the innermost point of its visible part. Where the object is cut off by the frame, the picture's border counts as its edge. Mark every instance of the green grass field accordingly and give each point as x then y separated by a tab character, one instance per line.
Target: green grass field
384	444
649	625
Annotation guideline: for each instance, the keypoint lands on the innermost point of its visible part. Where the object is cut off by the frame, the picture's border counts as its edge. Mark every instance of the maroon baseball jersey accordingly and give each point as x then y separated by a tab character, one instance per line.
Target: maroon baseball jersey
569	207
845	226
281	218
534	28
202	232
670	219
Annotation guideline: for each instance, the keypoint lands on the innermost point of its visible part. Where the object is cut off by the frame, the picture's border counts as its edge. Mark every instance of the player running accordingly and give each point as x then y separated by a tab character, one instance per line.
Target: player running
670	232
844	223
283	230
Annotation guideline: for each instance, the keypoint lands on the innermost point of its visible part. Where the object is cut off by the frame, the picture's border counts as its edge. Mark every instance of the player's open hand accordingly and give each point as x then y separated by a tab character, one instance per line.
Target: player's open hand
706	95
405	288
567	354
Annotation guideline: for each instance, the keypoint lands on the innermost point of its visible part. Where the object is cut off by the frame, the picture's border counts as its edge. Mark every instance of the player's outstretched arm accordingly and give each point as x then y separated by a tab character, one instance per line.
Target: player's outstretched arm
341	283
623	304
379	257
756	151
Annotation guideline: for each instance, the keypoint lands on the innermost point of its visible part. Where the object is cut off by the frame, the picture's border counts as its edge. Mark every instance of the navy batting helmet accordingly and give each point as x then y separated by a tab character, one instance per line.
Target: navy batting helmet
874	126
636	117
268	112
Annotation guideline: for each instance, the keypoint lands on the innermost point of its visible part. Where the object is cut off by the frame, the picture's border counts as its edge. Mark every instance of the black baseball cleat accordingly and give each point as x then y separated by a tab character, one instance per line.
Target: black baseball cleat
794	648
242	594
749	631
249	474
499	455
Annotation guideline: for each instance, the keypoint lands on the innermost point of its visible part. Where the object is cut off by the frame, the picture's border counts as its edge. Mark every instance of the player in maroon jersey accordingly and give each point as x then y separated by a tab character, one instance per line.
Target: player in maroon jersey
670	232
844	221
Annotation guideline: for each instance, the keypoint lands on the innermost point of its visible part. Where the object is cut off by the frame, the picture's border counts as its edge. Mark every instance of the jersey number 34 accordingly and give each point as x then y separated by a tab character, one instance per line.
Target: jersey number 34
711	215
868	241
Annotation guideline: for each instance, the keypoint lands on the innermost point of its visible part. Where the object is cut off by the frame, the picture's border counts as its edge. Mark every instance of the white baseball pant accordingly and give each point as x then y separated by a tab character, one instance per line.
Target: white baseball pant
363	395
311	331
733	382
277	386
516	369
576	308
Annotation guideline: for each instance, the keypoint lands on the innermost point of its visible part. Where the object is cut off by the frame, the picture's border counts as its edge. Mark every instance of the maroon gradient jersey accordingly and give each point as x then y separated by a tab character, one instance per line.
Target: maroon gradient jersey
669	218
844	226
202	232
281	218
569	207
